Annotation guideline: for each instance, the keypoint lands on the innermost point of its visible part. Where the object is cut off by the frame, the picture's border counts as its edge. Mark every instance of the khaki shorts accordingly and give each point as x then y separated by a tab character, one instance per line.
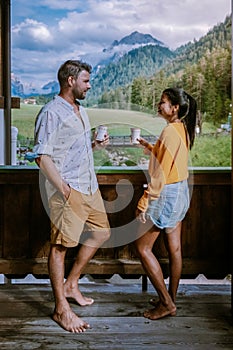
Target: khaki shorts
68	218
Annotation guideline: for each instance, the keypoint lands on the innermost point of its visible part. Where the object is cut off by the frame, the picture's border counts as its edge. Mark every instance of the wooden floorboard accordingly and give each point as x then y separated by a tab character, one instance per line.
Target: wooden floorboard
203	320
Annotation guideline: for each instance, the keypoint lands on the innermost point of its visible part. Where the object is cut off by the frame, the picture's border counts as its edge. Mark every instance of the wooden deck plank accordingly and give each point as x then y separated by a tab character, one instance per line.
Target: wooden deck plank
125	331
40	309
203	319
22	292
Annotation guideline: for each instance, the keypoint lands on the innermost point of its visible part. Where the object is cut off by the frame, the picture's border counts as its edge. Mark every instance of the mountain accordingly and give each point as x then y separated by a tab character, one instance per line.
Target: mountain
51	88
118	49
143	61
137	56
99	60
17	88
134	55
137	38
202	68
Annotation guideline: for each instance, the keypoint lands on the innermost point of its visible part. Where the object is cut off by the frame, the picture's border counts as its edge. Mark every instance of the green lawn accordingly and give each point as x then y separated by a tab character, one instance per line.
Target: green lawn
118	121
213	150
24	119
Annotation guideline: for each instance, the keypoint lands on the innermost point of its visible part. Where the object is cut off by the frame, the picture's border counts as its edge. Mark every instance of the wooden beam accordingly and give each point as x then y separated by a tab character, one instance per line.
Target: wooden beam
130	266
15	102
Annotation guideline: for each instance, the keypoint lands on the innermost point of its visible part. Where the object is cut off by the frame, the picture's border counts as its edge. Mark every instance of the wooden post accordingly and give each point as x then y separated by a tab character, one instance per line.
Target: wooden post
232	190
6	102
5	79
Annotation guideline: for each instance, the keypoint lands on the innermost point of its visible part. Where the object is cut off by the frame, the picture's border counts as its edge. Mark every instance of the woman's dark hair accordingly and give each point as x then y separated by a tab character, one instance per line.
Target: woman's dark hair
71	68
187	109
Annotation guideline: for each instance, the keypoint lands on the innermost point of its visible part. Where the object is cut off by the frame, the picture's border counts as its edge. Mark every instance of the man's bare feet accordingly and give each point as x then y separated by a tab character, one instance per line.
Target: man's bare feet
69	321
154	302
160	311
74	293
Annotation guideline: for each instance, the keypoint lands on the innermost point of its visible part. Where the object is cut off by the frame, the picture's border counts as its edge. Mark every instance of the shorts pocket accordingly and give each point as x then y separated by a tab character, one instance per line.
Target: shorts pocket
68	200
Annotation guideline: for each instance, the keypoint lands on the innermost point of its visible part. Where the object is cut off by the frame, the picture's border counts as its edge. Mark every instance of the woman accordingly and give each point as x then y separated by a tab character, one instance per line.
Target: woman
166	200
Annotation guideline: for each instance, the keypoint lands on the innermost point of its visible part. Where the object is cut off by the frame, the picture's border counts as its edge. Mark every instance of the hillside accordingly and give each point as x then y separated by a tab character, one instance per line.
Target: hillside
136	68
192	52
202	68
144	61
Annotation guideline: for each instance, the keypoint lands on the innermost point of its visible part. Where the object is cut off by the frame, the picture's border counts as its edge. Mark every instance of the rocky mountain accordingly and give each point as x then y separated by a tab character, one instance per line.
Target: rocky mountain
137	38
144	61
118	49
17	88
51	87
112	54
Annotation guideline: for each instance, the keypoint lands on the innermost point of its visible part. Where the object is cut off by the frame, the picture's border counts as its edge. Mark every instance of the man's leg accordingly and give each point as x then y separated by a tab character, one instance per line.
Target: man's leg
85	253
63	314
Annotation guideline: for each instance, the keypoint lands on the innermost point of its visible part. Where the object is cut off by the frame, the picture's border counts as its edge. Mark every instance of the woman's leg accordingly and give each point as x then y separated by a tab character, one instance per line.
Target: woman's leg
173	245
144	245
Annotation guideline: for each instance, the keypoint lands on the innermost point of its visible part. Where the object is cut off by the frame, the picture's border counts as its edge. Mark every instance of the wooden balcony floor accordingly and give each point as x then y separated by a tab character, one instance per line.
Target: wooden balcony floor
203	319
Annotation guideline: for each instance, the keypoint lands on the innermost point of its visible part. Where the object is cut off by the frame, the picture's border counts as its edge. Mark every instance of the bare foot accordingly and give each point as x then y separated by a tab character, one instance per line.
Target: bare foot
74	293
154	302
160	311
69	321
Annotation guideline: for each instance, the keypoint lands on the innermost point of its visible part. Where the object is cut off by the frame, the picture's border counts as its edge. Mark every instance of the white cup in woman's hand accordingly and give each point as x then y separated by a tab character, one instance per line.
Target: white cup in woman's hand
135	135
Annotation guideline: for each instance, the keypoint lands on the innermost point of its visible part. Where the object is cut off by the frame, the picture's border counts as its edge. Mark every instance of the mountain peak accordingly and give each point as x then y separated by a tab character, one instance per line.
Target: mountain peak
136	38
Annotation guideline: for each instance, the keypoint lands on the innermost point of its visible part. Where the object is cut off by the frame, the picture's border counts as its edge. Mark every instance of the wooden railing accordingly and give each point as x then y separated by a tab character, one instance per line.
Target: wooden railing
206	232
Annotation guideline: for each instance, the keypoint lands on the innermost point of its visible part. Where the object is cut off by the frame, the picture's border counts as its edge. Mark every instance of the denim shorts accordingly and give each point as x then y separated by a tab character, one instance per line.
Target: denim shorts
171	206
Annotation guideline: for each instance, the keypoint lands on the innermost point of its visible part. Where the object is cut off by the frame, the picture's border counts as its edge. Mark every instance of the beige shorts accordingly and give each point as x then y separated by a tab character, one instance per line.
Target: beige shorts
69	218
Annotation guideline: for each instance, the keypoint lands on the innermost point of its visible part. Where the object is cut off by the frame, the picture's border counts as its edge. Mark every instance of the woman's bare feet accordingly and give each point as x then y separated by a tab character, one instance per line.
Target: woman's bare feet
160	311
74	293
69	321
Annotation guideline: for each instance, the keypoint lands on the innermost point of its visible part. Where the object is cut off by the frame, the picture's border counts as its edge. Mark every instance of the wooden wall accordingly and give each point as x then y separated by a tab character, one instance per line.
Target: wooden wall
206	233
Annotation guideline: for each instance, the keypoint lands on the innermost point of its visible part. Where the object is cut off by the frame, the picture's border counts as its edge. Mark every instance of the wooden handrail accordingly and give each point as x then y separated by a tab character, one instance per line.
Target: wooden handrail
15	102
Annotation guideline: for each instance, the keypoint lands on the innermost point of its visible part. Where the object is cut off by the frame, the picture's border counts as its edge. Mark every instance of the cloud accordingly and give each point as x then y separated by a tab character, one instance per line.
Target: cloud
100	22
62	5
32	35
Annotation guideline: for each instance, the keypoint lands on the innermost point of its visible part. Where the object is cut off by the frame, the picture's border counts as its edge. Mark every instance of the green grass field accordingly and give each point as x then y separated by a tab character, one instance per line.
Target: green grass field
208	151
118	121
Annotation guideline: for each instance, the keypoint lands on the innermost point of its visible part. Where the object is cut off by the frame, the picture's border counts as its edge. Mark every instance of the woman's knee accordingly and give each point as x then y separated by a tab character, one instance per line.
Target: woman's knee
142	250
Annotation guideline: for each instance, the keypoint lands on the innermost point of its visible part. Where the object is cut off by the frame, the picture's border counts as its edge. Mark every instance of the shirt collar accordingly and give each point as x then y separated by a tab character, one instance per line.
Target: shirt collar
63	101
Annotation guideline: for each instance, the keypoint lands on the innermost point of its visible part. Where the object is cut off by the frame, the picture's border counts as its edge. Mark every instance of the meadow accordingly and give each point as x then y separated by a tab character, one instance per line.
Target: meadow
212	149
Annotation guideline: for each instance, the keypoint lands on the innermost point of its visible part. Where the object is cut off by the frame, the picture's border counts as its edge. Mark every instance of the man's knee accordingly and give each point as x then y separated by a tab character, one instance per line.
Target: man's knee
105	235
97	238
57	249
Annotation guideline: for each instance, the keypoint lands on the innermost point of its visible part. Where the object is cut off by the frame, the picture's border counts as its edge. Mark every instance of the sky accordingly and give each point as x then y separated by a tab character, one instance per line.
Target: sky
45	33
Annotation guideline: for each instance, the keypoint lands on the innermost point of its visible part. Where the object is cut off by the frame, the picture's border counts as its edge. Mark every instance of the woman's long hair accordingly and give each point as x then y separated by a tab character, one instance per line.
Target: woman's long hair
187	109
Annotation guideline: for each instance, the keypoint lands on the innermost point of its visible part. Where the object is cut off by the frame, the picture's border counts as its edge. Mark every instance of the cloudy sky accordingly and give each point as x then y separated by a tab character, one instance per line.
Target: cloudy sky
47	32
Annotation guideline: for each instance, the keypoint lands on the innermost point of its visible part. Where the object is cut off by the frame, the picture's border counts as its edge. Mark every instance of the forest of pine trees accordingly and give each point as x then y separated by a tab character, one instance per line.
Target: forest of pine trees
202	68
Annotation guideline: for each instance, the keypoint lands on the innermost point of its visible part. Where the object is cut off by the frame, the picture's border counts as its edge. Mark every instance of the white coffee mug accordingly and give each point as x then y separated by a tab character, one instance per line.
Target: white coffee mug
135	134
101	132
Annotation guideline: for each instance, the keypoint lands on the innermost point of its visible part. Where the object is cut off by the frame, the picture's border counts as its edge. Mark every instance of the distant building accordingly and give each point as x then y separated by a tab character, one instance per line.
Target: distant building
29	101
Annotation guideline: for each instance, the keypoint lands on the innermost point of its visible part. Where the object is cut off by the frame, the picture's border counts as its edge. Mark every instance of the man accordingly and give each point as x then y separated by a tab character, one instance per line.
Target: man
64	149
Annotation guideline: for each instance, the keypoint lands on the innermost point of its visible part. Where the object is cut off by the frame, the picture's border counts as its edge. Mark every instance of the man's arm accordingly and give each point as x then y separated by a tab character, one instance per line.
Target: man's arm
51	173
99	144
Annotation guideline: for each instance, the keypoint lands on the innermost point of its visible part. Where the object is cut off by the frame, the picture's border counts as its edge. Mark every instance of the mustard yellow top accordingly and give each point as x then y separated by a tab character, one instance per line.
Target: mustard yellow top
168	162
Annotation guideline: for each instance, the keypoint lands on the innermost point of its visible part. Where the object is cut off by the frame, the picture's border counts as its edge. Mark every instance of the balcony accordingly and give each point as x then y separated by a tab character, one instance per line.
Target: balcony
204	317
206	233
